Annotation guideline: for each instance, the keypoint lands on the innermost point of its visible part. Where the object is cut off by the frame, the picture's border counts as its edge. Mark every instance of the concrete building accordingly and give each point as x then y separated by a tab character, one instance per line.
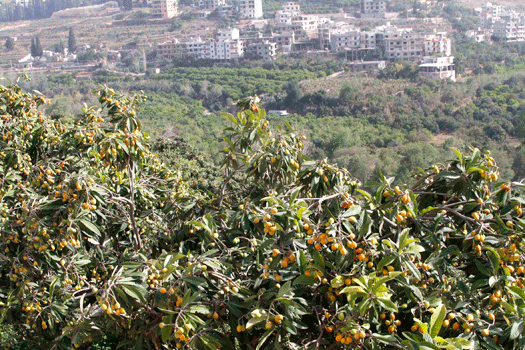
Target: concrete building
226	11
347	39
194	47
264	49
509	29
223	49
211	4
164	8
170	49
249	8
292	8
327	29
227	34
476	35
438	68
366	66
373	8
401	43
437	43
284	40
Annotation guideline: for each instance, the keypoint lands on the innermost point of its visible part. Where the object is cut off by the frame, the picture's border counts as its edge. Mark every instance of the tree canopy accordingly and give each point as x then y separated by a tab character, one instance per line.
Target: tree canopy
101	239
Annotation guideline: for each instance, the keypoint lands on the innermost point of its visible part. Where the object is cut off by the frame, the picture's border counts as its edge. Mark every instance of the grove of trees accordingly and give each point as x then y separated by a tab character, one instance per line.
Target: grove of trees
107	239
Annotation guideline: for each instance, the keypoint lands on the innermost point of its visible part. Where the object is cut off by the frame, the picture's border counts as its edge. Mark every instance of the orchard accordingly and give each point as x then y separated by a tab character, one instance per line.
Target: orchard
102	241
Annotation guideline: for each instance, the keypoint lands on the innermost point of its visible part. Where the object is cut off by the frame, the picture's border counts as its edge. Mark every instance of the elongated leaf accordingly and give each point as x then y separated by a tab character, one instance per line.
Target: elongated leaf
253	321
437	320
263	338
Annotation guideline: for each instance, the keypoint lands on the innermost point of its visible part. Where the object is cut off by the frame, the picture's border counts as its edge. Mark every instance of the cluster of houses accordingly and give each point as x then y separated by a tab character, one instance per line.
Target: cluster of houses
365	49
242	8
293	31
498	23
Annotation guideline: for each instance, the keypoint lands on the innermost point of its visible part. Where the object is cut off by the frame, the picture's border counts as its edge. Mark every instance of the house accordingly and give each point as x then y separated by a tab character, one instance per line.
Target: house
434	67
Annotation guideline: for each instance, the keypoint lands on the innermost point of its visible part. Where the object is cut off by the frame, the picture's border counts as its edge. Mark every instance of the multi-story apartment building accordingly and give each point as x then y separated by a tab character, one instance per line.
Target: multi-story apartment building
211	4
223	49
285	40
326	30
264	49
170	49
373	8
173	48
164	8
195	47
492	10
393	42
227	34
292	8
249	8
368	39
401	43
347	39
437	43
490	13
509	29
283	18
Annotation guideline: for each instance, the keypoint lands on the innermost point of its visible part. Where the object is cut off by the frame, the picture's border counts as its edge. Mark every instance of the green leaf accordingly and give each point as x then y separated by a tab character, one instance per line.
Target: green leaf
302	262
253	321
387	260
518	292
285	289
167	331
458	154
337	282
387	304
385	279
135	291
307	280
263	338
318	258
196	281
364	306
437	320
516	330
88	228
494	258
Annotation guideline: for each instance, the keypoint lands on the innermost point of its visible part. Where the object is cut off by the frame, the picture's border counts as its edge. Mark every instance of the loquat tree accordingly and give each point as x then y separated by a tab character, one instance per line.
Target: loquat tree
101	240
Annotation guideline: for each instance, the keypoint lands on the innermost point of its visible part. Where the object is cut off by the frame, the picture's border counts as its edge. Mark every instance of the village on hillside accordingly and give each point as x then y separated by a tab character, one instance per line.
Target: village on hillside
252	34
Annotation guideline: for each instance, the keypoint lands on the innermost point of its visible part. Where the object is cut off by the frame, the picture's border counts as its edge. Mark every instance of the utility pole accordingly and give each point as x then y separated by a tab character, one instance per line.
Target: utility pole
144	59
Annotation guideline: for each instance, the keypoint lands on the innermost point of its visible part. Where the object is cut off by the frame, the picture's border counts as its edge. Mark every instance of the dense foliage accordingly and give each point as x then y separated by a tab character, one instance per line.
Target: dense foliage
102	241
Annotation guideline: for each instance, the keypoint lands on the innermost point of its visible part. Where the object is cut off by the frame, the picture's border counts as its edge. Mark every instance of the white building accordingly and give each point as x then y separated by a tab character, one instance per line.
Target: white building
285	40
227	34
293	8
437	43
164	8
223	49
438	68
194	47
249	8
477	36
